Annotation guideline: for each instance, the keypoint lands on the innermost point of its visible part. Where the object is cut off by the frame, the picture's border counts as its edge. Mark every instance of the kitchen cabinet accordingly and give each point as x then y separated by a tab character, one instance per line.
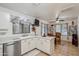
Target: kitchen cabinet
24	46
43	44
31	43
39	44
27	45
17	48
46	45
52	46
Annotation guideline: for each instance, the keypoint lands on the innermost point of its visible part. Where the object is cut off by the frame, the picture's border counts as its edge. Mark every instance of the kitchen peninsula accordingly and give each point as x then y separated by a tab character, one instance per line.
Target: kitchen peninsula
23	45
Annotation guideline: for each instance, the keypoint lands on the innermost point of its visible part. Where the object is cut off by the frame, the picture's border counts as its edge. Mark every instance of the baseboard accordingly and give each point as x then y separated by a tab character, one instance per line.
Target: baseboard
34	49
43	52
27	52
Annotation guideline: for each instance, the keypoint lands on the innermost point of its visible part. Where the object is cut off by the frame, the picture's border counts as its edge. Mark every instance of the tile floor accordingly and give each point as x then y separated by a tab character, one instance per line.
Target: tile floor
33	53
65	49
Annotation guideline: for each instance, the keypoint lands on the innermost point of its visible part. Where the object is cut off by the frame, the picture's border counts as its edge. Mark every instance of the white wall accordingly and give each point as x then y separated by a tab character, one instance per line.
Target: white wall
6	24
5	19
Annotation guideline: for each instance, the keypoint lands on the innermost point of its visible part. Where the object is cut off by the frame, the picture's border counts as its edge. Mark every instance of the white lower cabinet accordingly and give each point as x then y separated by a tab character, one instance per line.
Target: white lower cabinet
52	46
44	44
27	45
38	44
1	50
24	46
31	44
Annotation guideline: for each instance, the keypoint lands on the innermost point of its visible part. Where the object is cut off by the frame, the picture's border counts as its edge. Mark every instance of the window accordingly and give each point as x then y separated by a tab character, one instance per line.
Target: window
25	28
15	28
20	24
44	29
21	28
62	28
58	28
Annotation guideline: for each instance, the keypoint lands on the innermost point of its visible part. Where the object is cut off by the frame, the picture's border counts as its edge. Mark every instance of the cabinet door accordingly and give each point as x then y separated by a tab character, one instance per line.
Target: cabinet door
31	43
38	44
52	46
46	45
17	48
1	50
27	45
24	46
35	42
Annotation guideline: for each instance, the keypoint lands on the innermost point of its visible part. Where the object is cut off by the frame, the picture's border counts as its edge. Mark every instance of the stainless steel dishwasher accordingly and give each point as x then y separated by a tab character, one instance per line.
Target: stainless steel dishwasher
12	48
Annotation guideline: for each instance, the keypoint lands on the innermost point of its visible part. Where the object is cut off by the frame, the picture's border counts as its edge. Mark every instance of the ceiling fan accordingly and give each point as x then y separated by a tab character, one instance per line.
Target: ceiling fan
63	10
58	19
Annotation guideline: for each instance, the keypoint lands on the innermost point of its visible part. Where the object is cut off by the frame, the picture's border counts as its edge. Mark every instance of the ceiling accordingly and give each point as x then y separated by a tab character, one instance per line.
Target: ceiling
45	11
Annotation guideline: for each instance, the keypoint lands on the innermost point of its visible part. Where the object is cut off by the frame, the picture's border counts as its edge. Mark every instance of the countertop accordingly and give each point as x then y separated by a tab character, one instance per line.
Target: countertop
17	38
